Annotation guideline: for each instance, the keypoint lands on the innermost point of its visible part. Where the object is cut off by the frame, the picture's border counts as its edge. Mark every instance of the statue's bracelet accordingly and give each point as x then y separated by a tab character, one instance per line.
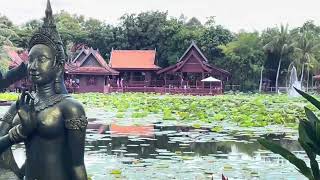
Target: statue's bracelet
19	126
8	117
16	135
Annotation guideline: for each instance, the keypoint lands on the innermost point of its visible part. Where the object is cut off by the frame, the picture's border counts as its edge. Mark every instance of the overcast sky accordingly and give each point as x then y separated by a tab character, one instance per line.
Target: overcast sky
233	14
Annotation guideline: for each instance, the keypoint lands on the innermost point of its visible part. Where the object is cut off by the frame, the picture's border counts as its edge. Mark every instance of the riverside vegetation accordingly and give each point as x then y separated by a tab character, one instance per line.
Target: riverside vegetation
309	139
247	110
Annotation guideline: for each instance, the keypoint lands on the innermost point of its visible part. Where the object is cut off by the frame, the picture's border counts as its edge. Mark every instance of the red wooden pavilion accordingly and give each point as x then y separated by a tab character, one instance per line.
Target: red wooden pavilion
89	72
190	69
136	67
136	71
16	58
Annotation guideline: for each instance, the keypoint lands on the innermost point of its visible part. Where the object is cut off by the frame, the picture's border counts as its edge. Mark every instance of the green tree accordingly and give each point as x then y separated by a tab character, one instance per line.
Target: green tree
70	27
211	38
6	35
152	30
193	22
306	47
281	44
25	32
99	36
244	58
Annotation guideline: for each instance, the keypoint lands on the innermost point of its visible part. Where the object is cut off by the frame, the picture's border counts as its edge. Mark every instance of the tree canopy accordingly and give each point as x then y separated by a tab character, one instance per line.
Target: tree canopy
244	54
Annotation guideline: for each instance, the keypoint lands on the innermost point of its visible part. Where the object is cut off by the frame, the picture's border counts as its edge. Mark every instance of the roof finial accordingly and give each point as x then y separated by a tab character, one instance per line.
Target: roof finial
48	9
47	34
48	20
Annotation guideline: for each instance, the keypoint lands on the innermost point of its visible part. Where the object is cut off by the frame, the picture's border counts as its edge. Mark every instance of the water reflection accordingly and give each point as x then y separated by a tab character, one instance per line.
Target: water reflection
180	152
145	140
141	130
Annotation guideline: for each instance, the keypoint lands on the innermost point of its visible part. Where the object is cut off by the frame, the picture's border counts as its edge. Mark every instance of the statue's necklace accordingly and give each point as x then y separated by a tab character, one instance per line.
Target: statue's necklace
43	103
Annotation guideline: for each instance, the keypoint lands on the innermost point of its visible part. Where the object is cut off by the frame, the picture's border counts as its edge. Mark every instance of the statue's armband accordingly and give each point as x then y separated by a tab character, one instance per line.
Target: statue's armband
7	118
79	123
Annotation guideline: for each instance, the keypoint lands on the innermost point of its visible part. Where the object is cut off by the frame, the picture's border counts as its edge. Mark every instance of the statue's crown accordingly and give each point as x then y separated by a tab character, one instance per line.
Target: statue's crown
48	34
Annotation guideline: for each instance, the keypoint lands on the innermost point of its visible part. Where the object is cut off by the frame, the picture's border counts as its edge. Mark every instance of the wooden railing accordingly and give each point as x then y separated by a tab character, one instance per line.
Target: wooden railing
163	90
162	83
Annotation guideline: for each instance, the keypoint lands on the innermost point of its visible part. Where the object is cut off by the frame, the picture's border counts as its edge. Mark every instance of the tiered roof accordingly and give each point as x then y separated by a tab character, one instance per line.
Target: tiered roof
193	57
89	61
15	57
83	53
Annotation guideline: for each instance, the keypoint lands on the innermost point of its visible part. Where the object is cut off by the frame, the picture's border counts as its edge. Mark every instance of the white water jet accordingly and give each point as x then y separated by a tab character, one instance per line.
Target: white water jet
293	82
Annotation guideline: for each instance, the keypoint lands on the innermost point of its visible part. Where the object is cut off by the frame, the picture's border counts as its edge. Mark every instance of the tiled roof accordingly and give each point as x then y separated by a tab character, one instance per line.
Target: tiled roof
91	71
193	44
203	62
317	77
133	59
16	59
24	56
98	56
83	51
103	69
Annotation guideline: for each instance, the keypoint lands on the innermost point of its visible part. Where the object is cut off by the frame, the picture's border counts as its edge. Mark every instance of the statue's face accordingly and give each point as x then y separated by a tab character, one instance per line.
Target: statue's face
41	64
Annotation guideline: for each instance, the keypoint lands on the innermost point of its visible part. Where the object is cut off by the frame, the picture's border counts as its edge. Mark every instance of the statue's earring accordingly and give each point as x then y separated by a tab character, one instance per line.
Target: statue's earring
58	79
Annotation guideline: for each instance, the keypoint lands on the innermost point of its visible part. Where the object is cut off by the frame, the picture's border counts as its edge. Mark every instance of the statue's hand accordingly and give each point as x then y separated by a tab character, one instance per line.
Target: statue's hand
26	113
13	75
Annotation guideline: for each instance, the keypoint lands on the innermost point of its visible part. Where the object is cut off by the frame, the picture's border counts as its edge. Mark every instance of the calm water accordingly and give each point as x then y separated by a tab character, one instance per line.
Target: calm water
186	153
162	151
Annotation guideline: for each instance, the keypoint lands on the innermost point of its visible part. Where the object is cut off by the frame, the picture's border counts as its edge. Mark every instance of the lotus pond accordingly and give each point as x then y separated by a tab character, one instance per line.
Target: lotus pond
143	136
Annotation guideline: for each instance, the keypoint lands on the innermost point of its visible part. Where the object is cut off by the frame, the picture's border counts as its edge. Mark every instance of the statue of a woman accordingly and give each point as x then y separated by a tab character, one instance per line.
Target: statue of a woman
50	123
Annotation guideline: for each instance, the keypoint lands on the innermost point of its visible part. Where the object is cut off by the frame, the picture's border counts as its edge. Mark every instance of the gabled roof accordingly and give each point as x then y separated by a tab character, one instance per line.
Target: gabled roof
203	62
24	56
97	56
101	69
16	59
193	44
133	60
83	51
316	77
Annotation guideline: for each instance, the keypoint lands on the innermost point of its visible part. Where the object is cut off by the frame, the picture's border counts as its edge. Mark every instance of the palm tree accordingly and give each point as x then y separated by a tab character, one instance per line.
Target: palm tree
282	45
307	46
261	78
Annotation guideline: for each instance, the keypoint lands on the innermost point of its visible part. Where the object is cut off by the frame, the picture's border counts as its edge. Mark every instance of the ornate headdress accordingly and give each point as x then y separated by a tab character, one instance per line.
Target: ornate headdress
48	35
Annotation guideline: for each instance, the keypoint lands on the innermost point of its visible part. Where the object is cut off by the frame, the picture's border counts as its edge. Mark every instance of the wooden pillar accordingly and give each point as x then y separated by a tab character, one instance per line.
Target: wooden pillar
202	78
181	78
131	75
131	78
221	84
165	79
196	83
147	78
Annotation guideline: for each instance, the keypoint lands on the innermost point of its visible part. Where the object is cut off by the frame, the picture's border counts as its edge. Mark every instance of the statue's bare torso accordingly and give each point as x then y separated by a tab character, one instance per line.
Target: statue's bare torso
46	147
50	123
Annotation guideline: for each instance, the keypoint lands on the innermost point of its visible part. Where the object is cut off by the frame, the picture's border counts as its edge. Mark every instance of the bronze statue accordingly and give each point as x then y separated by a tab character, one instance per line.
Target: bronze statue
50	123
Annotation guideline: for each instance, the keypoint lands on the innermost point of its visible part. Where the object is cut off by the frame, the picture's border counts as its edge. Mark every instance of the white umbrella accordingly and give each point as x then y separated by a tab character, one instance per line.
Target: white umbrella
211	79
